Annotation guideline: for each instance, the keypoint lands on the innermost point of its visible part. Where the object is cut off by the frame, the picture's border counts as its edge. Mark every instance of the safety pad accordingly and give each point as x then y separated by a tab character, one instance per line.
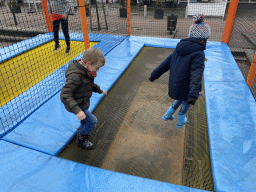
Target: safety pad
47	130
156	42
23	169
231	112
51	127
221	65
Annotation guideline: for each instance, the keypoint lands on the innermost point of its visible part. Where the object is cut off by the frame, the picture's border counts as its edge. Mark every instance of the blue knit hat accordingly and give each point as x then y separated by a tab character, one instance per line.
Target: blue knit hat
199	30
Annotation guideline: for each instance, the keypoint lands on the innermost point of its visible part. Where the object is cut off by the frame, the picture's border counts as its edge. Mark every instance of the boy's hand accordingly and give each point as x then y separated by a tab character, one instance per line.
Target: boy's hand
81	115
105	92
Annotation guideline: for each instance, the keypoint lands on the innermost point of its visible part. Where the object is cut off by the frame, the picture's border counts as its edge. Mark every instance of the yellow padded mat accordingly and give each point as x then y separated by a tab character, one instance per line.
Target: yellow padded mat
25	70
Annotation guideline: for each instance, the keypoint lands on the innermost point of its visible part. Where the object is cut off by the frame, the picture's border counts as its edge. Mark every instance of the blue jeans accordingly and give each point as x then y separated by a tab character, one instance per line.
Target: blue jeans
88	124
184	108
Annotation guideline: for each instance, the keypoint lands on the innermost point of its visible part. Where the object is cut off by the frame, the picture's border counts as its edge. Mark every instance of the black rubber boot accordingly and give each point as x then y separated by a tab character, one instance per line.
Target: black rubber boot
83	141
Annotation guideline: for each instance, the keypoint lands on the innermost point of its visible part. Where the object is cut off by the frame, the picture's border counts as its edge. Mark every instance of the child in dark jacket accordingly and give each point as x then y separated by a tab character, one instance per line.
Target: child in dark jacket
76	93
186	65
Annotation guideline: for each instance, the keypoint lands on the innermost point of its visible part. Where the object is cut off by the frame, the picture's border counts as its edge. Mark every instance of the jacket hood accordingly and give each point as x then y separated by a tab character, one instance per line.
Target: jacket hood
189	45
76	67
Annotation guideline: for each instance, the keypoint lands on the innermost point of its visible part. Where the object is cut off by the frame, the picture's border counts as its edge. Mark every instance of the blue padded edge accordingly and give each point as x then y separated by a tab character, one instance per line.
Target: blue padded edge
26	170
231	112
231	118
49	86
155	42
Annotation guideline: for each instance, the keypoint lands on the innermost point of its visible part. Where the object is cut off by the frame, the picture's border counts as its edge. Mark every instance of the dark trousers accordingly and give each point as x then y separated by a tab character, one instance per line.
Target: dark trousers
64	26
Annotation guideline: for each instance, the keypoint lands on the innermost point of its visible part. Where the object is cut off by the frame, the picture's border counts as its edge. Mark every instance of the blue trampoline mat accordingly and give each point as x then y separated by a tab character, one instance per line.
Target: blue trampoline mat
230	106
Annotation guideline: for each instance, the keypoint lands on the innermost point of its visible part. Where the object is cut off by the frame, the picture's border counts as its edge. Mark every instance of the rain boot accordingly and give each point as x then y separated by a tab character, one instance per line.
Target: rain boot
169	114
83	141
182	120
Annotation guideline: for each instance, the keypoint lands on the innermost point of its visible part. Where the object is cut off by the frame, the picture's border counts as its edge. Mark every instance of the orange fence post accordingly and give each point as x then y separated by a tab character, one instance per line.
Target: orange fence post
252	72
230	21
46	15
128	17
84	23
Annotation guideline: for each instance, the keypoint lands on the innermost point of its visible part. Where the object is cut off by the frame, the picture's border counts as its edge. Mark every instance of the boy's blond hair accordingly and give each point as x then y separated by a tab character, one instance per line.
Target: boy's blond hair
94	55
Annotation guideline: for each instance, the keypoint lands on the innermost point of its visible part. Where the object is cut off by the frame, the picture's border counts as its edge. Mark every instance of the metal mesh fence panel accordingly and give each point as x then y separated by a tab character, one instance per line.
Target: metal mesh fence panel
243	40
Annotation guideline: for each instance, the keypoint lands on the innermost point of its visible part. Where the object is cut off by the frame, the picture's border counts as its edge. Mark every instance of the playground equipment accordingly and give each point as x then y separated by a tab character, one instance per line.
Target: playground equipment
216	149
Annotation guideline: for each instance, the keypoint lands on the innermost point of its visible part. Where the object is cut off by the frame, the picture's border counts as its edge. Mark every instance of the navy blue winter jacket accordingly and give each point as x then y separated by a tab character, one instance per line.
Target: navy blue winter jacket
186	65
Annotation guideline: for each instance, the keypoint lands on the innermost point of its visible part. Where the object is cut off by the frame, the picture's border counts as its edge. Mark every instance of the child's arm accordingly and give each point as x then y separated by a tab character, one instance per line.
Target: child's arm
161	69
66	95
96	89
197	69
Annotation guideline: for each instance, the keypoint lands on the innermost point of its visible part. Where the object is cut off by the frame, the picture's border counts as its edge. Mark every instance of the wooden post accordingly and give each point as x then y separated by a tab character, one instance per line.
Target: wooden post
229	21
252	72
84	23
47	16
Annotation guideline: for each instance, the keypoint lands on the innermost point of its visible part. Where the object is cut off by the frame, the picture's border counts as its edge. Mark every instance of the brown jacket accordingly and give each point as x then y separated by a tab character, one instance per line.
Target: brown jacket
76	93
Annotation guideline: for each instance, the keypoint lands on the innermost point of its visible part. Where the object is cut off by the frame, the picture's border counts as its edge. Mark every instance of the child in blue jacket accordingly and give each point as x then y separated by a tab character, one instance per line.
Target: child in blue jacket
186	66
